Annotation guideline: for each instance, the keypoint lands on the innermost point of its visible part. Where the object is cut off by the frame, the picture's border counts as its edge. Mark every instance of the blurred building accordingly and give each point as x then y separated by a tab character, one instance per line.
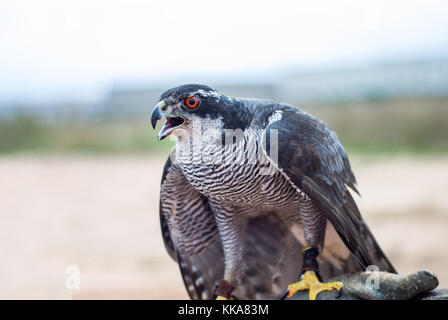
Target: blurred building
379	82
387	81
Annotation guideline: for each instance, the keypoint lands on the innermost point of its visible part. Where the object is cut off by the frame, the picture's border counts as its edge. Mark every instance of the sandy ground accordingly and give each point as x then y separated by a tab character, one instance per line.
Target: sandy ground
100	214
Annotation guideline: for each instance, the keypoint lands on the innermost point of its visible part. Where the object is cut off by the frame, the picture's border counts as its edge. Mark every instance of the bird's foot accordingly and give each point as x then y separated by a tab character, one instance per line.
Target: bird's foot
225	298
311	282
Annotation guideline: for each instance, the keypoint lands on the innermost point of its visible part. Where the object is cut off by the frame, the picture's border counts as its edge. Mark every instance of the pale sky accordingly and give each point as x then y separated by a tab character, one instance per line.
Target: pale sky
75	48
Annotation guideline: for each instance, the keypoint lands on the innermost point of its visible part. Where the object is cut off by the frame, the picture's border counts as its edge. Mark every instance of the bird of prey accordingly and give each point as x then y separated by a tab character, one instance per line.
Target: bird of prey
255	199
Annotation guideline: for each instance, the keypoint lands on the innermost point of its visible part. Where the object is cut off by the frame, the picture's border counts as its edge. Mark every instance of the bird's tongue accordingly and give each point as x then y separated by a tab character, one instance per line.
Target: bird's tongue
170	124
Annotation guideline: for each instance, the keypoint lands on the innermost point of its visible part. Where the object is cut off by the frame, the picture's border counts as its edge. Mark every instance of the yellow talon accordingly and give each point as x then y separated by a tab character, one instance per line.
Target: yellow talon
311	282
223	298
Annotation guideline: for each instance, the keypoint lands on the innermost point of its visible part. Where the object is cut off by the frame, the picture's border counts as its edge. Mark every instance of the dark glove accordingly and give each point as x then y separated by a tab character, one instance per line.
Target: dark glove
378	285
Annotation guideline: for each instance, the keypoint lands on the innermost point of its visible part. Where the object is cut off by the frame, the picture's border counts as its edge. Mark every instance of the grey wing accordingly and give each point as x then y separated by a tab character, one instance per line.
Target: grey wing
191	238
313	159
190	234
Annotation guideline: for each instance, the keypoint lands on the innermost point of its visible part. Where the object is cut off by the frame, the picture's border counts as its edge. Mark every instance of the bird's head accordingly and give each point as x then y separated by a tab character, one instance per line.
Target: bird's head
181	106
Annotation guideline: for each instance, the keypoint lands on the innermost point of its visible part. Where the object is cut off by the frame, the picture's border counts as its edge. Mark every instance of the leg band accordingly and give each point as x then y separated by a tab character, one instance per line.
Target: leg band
310	255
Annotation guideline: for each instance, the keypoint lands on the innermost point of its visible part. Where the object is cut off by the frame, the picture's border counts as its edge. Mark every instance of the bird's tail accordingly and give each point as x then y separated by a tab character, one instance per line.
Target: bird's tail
375	255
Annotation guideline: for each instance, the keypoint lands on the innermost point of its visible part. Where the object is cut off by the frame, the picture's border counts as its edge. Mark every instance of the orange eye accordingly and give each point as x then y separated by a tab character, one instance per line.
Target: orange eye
192	102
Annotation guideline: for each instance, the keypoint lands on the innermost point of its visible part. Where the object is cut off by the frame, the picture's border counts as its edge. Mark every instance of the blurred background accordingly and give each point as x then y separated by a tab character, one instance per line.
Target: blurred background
80	166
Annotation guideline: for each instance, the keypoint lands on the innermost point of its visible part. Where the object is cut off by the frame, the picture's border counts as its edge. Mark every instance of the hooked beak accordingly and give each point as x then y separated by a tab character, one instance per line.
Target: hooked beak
172	121
156	116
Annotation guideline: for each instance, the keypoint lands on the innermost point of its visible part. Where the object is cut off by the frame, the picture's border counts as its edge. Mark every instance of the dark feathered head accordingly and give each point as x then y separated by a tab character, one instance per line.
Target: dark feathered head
181	105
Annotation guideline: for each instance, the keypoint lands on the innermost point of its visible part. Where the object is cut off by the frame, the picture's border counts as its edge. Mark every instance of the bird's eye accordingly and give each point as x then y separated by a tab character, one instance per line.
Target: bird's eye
192	102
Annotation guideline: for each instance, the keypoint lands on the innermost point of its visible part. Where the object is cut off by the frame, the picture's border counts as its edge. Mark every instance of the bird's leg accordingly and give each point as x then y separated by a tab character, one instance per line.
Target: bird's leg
224	290
314	224
232	230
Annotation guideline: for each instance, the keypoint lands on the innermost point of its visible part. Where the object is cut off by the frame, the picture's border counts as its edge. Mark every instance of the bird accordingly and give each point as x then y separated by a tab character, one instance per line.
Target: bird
256	198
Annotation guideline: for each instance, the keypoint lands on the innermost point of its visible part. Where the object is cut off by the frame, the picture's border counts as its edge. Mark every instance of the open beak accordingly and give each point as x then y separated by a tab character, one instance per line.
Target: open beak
172	121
